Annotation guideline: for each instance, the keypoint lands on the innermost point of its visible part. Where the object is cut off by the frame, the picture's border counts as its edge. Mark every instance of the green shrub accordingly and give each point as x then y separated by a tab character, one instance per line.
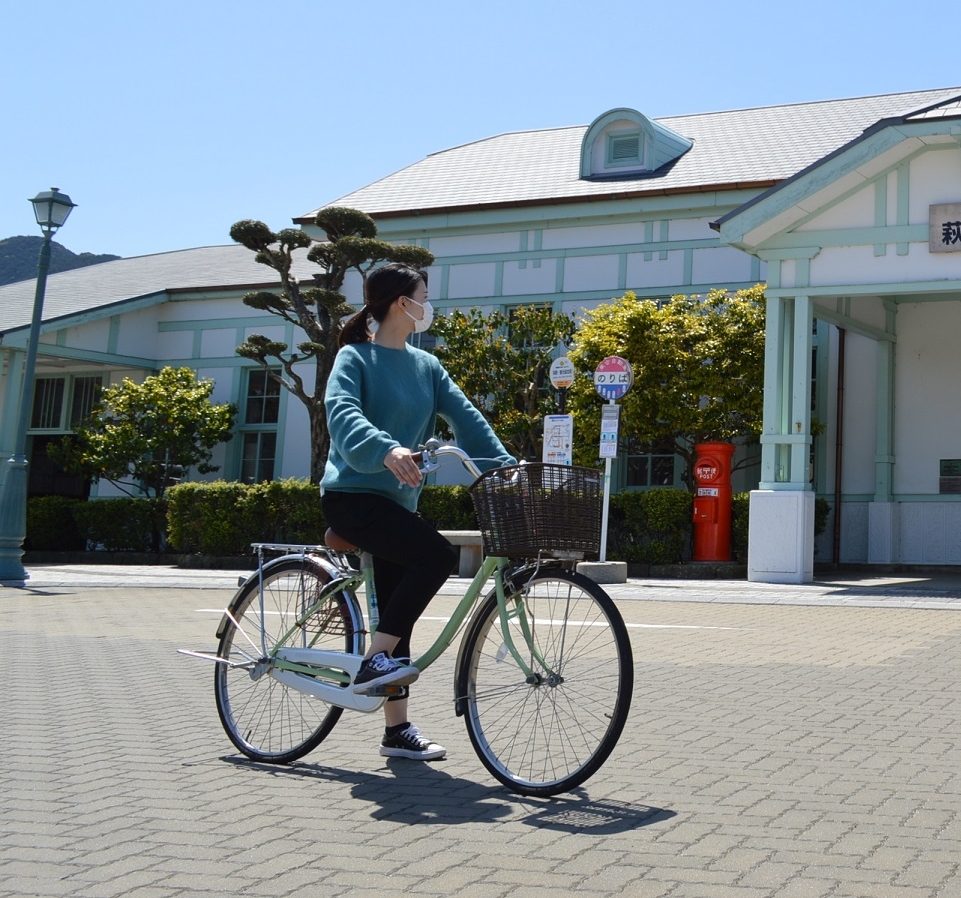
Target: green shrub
123	524
650	528
447	508
222	518
740	509
284	511
51	526
208	519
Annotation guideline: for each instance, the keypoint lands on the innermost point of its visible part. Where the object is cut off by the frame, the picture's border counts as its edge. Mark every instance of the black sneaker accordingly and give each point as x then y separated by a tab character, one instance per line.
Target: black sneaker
409	743
382	670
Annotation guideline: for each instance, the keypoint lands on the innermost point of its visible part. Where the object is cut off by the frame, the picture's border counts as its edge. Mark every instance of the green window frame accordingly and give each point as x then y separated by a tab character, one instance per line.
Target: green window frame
258	430
59	402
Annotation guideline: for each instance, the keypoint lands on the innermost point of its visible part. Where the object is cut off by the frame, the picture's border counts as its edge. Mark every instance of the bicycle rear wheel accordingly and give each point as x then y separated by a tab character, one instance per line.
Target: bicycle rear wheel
547	731
267	720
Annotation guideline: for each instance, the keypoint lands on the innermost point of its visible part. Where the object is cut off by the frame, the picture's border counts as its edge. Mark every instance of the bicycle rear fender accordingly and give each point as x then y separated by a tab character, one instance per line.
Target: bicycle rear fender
326	572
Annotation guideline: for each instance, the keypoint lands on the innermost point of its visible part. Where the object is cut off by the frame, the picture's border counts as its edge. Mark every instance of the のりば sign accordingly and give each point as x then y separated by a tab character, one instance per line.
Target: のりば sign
613	377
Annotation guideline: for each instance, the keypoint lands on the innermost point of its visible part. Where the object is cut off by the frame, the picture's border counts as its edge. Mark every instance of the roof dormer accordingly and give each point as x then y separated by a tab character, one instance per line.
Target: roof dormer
623	143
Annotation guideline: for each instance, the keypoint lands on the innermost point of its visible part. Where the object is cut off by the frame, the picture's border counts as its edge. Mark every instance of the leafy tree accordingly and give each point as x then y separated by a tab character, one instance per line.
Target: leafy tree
145	434
698	369
502	363
318	309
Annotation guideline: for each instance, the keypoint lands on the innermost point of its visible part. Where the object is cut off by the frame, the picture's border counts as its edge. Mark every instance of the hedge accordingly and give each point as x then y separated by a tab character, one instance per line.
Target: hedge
223	518
51	526
650	528
59	524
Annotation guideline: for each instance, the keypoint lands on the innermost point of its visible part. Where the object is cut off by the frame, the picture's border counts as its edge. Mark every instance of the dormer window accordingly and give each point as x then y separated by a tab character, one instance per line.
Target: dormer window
623	143
624	148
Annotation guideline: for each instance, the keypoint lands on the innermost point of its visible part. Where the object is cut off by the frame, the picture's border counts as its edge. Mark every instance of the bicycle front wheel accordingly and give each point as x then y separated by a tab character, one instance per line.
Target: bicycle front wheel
264	718
545	721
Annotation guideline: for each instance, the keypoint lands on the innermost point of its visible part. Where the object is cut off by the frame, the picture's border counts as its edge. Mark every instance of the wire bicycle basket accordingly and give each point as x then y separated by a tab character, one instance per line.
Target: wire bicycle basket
524	510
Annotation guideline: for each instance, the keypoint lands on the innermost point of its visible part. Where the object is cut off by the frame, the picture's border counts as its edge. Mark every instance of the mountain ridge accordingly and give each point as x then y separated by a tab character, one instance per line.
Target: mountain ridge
19	257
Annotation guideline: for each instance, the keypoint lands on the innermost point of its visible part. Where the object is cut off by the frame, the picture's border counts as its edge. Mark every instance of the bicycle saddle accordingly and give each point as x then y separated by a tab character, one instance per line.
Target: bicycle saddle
333	541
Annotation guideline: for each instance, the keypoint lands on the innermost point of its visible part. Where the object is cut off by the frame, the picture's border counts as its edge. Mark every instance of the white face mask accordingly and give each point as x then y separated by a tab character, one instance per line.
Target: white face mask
421	324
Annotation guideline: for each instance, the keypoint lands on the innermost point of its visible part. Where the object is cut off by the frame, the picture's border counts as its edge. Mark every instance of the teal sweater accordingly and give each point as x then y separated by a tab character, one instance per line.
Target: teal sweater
379	398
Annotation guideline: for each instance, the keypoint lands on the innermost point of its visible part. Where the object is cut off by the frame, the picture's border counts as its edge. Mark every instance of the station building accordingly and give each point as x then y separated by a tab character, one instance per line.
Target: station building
849	210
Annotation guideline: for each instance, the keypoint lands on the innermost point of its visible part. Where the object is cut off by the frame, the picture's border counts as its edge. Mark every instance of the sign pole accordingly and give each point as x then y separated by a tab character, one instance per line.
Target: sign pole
607	500
613	377
558	438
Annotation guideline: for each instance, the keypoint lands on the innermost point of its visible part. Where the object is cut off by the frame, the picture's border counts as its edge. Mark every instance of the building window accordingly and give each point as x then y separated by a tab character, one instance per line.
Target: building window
259	427
424	340
260	453
625	148
263	399
650	466
47	411
86	392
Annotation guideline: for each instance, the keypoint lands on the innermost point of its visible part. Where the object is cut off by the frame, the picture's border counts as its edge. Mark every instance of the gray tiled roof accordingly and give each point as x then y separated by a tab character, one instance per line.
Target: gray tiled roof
943	110
739	147
74	292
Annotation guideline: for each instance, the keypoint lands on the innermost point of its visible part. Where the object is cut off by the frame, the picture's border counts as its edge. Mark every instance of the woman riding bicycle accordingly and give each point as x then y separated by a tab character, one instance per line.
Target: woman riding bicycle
383	397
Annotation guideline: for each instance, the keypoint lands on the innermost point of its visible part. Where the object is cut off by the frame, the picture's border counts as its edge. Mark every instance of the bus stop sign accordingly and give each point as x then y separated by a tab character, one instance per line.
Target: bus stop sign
613	377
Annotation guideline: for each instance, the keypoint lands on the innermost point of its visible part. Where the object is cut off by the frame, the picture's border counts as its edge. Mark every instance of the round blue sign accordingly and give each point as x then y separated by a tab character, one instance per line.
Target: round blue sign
613	377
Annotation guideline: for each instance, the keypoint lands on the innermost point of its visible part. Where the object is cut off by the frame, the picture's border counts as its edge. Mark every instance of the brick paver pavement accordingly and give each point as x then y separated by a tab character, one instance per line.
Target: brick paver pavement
783	742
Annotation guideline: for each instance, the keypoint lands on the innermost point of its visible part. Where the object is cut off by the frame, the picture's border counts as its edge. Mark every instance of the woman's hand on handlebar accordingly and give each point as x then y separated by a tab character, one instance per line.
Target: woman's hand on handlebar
405	466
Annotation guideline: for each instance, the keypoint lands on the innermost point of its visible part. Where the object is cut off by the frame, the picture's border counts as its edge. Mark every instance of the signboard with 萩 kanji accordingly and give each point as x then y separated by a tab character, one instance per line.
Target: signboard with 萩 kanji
944	228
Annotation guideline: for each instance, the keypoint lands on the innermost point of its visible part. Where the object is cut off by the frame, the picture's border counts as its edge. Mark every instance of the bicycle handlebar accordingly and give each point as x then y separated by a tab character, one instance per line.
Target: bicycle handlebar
433	450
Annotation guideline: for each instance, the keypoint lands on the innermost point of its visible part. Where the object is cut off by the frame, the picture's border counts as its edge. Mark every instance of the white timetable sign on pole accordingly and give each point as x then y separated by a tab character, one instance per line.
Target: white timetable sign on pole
610	419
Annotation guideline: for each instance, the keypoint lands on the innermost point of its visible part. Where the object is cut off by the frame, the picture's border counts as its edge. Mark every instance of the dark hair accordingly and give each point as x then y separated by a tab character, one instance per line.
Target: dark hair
382	287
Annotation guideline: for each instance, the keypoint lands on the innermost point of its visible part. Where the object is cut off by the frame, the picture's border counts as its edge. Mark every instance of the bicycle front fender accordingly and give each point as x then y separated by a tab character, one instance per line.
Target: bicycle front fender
512	582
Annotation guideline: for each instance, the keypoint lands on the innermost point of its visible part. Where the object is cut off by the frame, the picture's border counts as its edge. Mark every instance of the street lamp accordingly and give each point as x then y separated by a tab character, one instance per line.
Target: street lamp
51	208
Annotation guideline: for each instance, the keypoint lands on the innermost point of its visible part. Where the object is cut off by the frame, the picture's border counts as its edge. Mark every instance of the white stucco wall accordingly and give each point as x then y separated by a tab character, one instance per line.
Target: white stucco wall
860	415
927	395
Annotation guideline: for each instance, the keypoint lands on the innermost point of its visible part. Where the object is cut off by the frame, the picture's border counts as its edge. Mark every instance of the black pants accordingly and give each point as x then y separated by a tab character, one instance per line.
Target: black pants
411	559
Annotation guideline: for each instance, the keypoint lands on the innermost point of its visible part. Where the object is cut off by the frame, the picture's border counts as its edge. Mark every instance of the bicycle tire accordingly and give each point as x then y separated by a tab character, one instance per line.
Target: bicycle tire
547	733
265	719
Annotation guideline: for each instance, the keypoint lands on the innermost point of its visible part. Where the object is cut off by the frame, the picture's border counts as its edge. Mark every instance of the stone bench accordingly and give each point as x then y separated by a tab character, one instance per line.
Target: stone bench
471	550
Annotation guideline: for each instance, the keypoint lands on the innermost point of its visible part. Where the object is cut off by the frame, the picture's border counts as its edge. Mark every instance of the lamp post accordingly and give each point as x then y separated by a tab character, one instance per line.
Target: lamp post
51	208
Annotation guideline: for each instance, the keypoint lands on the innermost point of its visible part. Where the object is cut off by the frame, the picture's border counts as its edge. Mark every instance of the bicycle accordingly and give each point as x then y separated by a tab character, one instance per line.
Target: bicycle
544	673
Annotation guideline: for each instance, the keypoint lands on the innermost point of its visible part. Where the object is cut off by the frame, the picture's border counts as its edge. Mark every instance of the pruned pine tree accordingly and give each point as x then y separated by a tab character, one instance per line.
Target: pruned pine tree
318	308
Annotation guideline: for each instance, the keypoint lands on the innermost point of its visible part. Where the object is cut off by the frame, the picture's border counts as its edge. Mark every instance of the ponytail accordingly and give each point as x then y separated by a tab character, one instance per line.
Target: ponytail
355	330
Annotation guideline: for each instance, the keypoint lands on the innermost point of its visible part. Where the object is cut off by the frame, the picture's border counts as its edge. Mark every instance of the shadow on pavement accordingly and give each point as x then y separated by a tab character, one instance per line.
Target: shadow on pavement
412	792
579	814
423	793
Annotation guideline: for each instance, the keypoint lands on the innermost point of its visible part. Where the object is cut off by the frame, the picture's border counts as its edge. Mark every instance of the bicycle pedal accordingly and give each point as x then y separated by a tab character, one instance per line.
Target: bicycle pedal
390	690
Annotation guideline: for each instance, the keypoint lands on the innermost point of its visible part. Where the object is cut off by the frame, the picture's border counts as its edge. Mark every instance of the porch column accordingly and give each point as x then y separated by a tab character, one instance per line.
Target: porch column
884	532
781	540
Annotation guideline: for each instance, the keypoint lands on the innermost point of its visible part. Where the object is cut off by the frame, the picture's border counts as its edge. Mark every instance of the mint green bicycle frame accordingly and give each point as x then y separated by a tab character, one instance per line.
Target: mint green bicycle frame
351	579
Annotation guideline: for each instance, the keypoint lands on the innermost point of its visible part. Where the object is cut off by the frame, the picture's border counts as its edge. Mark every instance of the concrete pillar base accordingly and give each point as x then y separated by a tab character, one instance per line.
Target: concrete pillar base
781	539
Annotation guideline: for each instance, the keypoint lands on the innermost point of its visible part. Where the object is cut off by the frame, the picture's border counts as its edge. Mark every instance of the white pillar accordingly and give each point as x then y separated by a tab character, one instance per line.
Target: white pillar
781	538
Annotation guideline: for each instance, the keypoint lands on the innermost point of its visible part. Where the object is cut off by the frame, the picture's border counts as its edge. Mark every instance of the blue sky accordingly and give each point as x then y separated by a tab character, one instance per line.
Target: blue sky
167	121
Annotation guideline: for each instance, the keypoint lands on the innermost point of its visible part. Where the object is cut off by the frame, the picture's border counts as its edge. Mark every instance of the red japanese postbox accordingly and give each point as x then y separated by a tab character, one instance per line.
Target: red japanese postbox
712	502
